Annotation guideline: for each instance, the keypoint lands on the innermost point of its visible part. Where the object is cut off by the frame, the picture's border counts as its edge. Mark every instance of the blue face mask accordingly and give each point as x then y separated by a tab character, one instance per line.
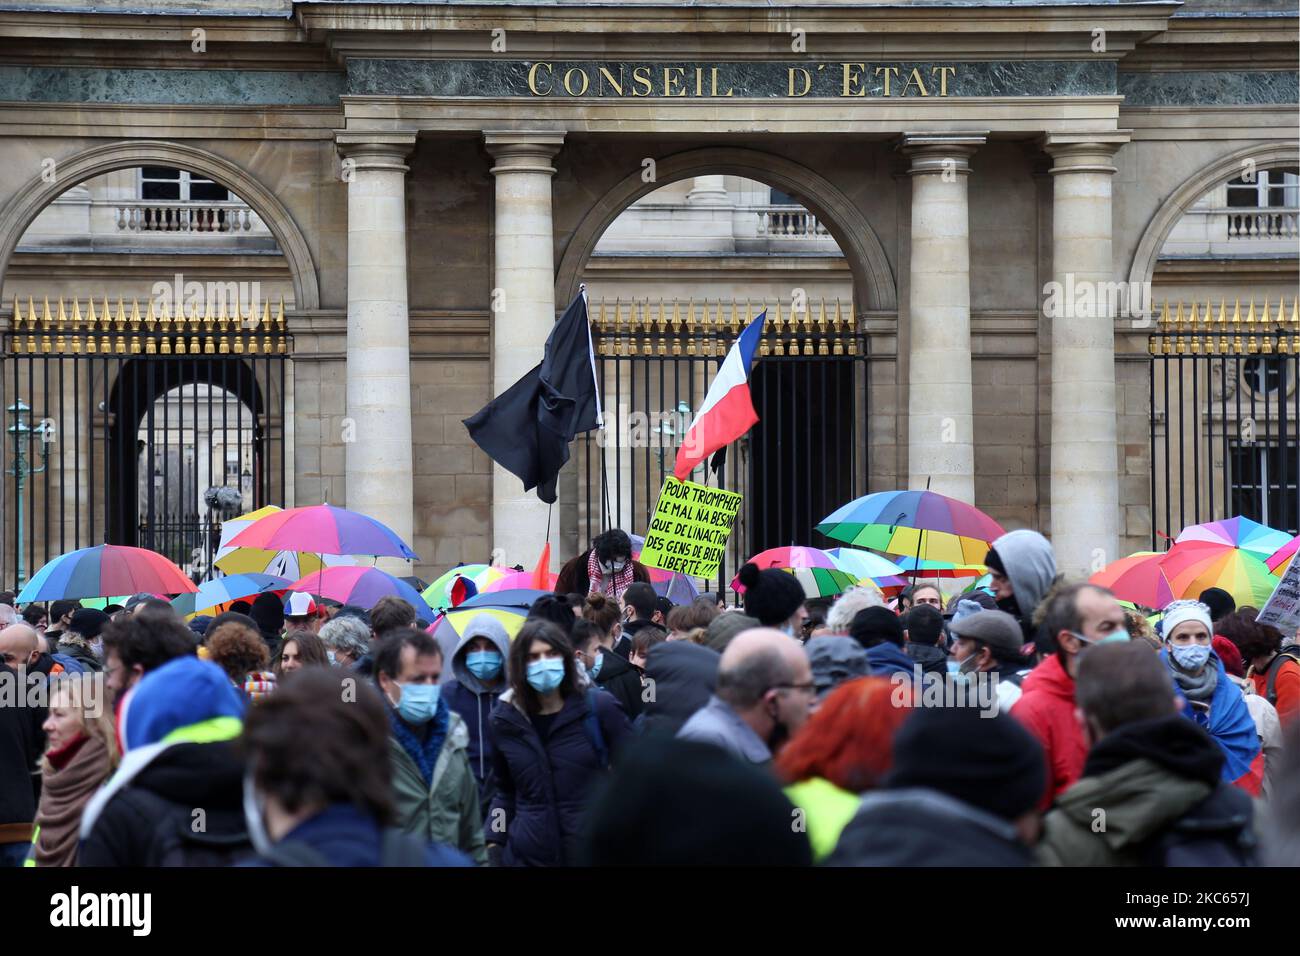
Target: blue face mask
418	702
595	668
1190	657
330	655
1117	635
545	675
953	667
485	665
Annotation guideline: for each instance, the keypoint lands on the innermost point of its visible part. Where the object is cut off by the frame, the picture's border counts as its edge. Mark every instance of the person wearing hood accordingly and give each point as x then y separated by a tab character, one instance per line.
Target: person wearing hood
1206	694
726	626
1075	618
268	612
775	597
1022	569
82	640
962	792
879	630
479	677
319	787
990	642
179	767
1156	776
605	568
434	792
924	638
834	659
553	742
684	676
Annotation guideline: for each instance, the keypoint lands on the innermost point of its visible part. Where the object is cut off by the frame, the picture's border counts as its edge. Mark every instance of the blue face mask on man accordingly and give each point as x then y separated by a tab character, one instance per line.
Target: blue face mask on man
418	703
485	665
545	675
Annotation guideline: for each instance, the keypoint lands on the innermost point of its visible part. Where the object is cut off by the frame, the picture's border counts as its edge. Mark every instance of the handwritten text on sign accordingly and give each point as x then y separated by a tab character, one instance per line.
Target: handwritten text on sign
688	533
1283	608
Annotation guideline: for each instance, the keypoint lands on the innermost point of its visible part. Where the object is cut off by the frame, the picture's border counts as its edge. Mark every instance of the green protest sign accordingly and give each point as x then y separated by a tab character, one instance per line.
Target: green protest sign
689	530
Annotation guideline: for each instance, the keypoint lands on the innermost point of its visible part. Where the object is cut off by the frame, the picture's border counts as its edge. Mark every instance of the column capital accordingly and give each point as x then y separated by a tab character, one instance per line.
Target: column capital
936	153
518	151
1085	151
376	150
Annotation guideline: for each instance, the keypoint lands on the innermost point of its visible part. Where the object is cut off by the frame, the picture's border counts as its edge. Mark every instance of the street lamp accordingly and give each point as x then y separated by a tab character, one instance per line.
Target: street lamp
669	433
19	413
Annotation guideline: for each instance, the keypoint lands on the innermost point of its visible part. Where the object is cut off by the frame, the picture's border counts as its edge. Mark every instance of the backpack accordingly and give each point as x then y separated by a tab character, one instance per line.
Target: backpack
594	733
70	664
1288	653
178	845
1217	832
397	849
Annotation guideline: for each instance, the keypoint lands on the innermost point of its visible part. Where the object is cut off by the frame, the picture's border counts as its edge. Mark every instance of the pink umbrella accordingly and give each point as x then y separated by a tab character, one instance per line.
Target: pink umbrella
1280	559
323	529
515	580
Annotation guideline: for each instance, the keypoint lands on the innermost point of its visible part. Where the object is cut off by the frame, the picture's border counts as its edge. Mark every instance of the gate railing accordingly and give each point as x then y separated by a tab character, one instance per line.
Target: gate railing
1225	414
119	419
806	456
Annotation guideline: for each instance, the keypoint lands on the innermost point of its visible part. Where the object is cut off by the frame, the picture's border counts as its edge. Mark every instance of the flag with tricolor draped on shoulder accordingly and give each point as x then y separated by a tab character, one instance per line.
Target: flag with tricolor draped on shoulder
728	409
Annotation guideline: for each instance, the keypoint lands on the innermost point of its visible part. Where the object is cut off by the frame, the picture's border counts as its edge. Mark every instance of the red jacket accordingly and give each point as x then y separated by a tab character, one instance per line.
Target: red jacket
1046	708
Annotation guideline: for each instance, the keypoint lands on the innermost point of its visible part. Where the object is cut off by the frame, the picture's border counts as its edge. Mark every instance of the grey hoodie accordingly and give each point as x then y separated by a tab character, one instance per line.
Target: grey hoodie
1030	564
471	699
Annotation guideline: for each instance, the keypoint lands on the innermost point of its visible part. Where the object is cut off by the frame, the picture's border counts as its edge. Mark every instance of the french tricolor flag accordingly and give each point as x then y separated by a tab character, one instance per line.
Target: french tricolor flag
728	410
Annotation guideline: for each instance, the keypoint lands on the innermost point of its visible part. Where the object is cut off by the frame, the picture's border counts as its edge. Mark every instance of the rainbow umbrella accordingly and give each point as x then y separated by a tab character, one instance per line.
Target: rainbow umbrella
939	569
438	594
1237	532
324	529
282	564
514	580
508	607
813	568
924	524
220	591
1139	578
363	587
1193	566
869	567
1280	559
100	603
104	570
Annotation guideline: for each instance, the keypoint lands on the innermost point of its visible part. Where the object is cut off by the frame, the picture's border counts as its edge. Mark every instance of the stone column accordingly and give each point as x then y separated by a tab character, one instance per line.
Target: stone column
1084	475
377	440
523	312
708	191
940	448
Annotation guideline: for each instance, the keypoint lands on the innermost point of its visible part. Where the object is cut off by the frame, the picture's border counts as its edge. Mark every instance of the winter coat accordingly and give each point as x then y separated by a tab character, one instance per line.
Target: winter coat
341	835
473	700
684	676
922	827
445	810
1269	728
622	680
1229	722
933	659
542	787
22	741
573	578
82	654
1046	708
1156	780
887	659
827	810
146	814
717	724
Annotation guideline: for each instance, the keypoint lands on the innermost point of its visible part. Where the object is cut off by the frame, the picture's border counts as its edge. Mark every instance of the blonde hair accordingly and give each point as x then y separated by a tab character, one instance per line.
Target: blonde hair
87	693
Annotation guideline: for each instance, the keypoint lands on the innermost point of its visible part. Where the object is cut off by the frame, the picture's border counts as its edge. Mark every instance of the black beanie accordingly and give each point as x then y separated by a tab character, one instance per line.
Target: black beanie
771	595
993	561
88	622
873	625
1219	601
992	763
268	612
711	809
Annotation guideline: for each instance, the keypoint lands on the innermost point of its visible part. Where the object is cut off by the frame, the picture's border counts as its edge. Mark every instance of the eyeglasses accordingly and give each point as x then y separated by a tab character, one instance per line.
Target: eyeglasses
808	688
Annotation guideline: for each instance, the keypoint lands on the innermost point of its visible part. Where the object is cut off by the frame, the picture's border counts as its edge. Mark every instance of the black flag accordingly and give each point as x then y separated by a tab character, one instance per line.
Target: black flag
528	427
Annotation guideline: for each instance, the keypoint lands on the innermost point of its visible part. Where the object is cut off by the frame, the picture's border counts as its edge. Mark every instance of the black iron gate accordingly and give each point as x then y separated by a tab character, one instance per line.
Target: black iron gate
118	424
807	455
1225	401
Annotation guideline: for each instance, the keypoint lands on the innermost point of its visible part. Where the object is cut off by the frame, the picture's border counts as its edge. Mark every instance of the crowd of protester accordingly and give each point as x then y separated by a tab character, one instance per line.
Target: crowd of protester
1035	722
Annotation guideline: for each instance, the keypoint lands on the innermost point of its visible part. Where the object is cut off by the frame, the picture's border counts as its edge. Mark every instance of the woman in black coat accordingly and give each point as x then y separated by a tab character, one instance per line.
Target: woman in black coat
552	741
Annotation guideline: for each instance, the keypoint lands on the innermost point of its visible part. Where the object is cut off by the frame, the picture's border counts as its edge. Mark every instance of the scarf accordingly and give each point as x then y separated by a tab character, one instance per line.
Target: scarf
596	576
1198	688
425	754
64	795
1224	716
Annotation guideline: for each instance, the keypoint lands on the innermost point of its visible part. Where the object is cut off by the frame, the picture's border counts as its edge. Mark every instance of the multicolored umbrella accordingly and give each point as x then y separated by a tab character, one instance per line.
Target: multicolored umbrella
1140	578
1237	532
514	580
438	594
508	607
233	587
939	569
282	564
105	569
1193	566
924	524
324	529
363	587
1280	559
869	567
813	568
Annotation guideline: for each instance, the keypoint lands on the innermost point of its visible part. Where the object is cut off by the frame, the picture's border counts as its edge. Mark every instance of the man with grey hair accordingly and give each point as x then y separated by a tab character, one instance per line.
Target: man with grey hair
347	638
764	694
840	617
22	741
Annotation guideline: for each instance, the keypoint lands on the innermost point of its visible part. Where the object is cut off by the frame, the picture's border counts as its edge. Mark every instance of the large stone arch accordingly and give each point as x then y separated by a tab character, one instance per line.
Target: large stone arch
19	212
1173	207
873	280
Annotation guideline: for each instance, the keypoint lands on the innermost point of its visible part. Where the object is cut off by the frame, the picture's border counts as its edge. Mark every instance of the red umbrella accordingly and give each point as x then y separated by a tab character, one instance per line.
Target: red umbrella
1138	578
